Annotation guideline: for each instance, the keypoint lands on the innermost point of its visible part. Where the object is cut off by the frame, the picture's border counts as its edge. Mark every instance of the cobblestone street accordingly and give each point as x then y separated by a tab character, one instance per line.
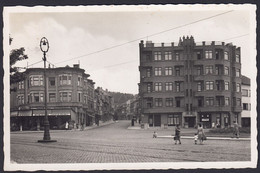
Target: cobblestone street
115	143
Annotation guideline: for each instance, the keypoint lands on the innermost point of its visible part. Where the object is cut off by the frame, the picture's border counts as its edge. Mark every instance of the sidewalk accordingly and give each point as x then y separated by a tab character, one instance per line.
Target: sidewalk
72	130
210	138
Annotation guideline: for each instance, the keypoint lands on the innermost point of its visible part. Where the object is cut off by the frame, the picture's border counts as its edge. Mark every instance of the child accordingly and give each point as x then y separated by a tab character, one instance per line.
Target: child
195	138
154	134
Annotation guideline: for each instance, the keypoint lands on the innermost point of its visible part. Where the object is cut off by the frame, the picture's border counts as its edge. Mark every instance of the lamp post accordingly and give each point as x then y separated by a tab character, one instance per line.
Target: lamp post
44	45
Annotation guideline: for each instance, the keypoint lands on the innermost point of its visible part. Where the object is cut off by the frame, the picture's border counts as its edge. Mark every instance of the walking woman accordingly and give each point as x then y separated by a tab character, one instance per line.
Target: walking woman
177	136
200	133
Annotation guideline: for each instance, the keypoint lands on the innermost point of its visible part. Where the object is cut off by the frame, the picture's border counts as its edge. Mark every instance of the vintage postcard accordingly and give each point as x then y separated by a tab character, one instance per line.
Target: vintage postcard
130	87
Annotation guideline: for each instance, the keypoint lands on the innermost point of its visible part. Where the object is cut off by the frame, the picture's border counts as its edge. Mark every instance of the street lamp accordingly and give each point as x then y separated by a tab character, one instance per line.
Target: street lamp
44	45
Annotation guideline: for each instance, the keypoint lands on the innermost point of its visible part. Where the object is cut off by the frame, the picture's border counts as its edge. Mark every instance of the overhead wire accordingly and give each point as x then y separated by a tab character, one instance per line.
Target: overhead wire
115	46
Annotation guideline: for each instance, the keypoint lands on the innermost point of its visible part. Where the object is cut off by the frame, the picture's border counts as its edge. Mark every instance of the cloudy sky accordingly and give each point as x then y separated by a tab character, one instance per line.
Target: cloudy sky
105	40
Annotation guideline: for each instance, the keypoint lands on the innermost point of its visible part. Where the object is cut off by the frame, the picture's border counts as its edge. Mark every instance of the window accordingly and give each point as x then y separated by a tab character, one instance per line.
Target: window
177	71
21	85
149	87
157	71
173	120
168	56
227	101
217	55
218	101
209	69
65	96
52	81
238	87
209	101
208	54
36	97
217	70
158	86
169	102
200	102
177	56
199	86
168	86
238	102
246	106
79	96
20	99
237	72
177	86
178	103
36	80
148	72
237	58
65	79
226	85
226	72
198	55
157	56
226	56
245	93
199	70
168	71
209	85
158	102
52	97
218	85
79	81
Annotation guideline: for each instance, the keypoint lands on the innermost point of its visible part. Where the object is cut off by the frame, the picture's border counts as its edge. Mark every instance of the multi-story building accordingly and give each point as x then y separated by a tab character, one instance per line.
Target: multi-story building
189	83
70	98
104	104
246	102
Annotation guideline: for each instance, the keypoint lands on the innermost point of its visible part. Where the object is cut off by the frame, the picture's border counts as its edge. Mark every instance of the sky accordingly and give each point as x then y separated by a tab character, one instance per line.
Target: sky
91	36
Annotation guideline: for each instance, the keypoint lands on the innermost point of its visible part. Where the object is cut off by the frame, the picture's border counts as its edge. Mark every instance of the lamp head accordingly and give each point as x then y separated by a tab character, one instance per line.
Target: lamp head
44	45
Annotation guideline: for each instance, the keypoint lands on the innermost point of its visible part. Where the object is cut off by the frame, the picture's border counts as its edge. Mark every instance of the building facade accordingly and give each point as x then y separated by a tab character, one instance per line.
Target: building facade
246	102
70	98
189	83
105	108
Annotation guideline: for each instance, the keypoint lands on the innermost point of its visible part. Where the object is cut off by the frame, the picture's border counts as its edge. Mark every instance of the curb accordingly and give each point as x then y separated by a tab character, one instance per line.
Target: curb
209	138
58	131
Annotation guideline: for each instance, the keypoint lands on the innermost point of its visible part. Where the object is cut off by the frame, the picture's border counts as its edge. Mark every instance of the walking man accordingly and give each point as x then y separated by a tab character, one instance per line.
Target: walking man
236	130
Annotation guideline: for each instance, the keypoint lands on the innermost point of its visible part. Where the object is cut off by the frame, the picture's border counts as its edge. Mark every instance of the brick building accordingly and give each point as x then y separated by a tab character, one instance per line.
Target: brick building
187	83
70	98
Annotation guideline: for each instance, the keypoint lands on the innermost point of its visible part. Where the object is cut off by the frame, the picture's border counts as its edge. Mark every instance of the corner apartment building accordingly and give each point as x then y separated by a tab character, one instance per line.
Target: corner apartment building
246	102
186	83
70	97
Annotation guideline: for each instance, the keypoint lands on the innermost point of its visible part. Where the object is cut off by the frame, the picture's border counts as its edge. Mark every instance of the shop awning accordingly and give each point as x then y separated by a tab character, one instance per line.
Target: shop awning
13	113
25	113
52	112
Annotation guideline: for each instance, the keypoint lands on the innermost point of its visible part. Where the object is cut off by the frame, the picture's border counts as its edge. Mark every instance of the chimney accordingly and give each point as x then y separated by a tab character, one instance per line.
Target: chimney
76	65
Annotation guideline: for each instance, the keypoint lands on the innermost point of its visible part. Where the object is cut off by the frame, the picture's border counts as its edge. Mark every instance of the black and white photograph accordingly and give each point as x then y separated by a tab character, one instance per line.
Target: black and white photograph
130	87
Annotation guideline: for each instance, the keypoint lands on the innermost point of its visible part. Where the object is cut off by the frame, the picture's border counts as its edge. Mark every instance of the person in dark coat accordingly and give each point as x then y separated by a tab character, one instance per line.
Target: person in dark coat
177	136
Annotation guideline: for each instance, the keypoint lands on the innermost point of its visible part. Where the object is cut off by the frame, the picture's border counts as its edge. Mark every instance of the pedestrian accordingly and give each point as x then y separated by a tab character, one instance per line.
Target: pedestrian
154	134
177	136
195	138
201	135
236	130
66	125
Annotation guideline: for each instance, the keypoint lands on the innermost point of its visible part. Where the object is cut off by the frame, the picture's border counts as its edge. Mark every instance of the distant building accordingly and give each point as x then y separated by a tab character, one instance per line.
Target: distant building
104	104
70	98
246	103
187	83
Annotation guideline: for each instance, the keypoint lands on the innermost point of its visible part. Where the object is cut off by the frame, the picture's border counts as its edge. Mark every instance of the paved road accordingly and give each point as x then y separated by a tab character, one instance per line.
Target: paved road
115	143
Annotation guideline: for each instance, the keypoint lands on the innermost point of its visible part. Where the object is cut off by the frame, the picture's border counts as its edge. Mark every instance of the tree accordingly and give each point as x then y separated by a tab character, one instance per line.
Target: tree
16	55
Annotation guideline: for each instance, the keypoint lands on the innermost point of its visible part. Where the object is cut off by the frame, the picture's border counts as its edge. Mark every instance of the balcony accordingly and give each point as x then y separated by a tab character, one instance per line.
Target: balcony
214	108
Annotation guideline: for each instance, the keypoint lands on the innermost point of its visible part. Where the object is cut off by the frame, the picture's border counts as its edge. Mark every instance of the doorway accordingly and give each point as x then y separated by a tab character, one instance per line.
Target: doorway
190	121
